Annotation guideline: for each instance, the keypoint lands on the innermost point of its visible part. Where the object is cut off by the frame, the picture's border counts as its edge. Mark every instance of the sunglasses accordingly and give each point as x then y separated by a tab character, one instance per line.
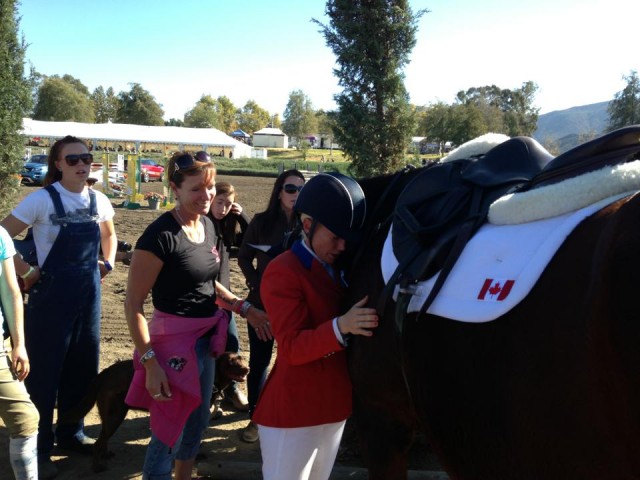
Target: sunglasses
291	188
187	161
73	159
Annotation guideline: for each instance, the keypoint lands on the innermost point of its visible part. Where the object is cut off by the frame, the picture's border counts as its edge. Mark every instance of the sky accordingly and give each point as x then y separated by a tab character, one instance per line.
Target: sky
577	52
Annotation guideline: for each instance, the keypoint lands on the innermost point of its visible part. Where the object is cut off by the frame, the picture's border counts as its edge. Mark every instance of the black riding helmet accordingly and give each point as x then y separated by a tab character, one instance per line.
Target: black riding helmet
336	201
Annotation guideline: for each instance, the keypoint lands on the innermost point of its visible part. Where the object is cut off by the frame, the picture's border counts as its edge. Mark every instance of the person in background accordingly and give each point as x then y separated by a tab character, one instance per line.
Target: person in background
303	407
230	223
266	230
17	410
62	322
177	261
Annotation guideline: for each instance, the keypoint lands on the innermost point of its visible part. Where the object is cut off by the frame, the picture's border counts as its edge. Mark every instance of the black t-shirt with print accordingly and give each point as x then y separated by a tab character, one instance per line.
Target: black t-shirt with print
185	285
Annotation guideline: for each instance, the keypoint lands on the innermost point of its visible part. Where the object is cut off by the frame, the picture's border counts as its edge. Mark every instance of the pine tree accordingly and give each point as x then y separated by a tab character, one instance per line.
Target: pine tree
624	109
372	40
15	102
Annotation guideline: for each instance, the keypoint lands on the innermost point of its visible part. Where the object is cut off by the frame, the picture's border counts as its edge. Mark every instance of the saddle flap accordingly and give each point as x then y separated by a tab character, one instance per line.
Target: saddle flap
428	202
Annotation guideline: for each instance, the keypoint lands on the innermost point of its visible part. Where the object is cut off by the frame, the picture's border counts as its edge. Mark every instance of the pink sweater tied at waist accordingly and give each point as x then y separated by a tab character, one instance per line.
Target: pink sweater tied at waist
173	339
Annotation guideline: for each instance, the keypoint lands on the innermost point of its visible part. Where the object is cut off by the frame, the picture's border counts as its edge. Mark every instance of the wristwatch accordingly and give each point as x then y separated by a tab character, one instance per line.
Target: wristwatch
107	265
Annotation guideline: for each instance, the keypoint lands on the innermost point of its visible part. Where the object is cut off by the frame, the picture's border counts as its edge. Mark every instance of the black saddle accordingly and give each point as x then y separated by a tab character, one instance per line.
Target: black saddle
439	199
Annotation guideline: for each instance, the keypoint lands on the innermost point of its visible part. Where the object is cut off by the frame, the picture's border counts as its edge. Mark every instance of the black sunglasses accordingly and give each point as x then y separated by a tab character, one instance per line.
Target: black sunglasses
73	159
291	188
187	161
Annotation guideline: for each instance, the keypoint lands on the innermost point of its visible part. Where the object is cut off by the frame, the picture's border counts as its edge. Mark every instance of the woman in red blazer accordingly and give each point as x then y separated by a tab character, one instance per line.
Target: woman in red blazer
306	400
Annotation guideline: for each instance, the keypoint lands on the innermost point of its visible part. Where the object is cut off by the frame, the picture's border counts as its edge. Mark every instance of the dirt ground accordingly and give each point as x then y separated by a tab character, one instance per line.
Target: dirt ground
226	455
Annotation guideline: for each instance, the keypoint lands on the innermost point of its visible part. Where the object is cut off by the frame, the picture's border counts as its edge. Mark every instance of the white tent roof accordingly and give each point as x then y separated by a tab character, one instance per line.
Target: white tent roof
270	131
135	133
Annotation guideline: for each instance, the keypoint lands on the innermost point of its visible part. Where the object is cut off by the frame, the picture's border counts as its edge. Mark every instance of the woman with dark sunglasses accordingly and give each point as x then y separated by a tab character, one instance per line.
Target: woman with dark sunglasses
70	222
265	235
176	259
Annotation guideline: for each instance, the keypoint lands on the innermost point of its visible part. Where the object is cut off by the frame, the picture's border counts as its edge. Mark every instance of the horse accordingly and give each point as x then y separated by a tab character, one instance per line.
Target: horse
548	390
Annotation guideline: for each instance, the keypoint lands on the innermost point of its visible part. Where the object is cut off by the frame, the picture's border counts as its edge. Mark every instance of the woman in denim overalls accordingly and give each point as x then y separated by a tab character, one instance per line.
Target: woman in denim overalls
62	325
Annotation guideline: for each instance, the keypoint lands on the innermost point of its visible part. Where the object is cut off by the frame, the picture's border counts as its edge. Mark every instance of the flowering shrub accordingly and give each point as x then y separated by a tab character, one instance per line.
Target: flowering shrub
153	196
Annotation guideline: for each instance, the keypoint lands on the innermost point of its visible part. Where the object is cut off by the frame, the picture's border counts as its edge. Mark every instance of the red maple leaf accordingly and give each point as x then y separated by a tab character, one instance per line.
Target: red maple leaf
495	289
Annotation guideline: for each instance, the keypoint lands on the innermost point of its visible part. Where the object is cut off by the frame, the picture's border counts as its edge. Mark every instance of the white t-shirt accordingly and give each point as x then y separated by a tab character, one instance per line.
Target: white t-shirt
37	209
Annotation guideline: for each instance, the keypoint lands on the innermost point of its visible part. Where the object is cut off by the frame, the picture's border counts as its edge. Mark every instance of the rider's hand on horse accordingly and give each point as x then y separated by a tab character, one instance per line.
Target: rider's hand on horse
358	320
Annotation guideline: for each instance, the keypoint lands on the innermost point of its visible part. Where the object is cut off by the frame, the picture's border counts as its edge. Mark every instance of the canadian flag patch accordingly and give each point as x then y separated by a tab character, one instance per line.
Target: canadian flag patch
495	289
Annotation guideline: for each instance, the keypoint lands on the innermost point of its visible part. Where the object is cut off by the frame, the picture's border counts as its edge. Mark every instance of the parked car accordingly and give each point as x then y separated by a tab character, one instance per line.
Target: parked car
34	170
150	170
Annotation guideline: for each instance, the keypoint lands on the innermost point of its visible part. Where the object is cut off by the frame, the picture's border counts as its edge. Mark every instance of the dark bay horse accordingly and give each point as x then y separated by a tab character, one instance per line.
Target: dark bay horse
548	391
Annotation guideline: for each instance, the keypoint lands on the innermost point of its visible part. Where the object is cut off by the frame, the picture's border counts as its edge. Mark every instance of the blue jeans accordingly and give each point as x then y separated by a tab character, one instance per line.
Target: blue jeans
259	358
233	344
158	461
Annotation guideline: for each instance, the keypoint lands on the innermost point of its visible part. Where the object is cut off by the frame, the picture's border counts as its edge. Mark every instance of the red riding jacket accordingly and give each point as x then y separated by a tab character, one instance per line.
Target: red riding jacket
309	383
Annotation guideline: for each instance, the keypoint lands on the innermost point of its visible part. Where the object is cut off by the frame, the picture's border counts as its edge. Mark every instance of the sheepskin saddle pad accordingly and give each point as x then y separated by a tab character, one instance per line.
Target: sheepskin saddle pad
588	173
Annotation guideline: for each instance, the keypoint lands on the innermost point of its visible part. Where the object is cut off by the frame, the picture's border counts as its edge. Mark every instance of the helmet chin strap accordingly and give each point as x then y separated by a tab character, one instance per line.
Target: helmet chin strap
312	230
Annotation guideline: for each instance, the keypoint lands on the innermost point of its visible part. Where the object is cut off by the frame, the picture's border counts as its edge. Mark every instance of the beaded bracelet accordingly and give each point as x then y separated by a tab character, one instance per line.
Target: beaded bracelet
148	355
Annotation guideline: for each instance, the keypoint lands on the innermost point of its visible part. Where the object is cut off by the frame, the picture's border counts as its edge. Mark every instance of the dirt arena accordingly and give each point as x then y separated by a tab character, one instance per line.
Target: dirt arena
226	456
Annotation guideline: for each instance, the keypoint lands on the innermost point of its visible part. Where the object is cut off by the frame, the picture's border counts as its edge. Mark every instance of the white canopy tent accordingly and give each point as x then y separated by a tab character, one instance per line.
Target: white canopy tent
201	138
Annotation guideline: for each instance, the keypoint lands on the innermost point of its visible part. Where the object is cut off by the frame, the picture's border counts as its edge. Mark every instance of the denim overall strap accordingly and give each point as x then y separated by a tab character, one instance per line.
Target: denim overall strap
62	325
78	243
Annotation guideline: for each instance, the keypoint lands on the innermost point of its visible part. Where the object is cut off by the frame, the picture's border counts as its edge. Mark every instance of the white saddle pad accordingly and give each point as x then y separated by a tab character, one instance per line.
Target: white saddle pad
497	268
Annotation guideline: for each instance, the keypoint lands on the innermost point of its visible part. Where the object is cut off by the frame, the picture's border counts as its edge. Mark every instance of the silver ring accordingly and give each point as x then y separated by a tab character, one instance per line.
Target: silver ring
157	395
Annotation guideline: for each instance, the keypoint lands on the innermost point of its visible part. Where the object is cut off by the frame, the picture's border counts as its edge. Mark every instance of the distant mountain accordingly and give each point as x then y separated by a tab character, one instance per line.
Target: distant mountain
564	129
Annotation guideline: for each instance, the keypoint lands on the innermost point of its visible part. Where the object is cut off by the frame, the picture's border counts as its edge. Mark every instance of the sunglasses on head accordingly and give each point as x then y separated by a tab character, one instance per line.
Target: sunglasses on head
187	161
73	159
291	188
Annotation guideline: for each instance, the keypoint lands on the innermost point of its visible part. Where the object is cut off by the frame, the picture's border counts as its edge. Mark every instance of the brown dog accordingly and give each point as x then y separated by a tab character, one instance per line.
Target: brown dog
109	390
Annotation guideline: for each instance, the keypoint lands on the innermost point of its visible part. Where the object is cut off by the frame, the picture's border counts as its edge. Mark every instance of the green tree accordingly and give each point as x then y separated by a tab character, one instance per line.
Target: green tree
35	80
372	40
15	102
624	109
228	114
77	84
504	111
174	122
205	114
105	104
252	117
325	125
138	107
64	99
438	123
299	116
